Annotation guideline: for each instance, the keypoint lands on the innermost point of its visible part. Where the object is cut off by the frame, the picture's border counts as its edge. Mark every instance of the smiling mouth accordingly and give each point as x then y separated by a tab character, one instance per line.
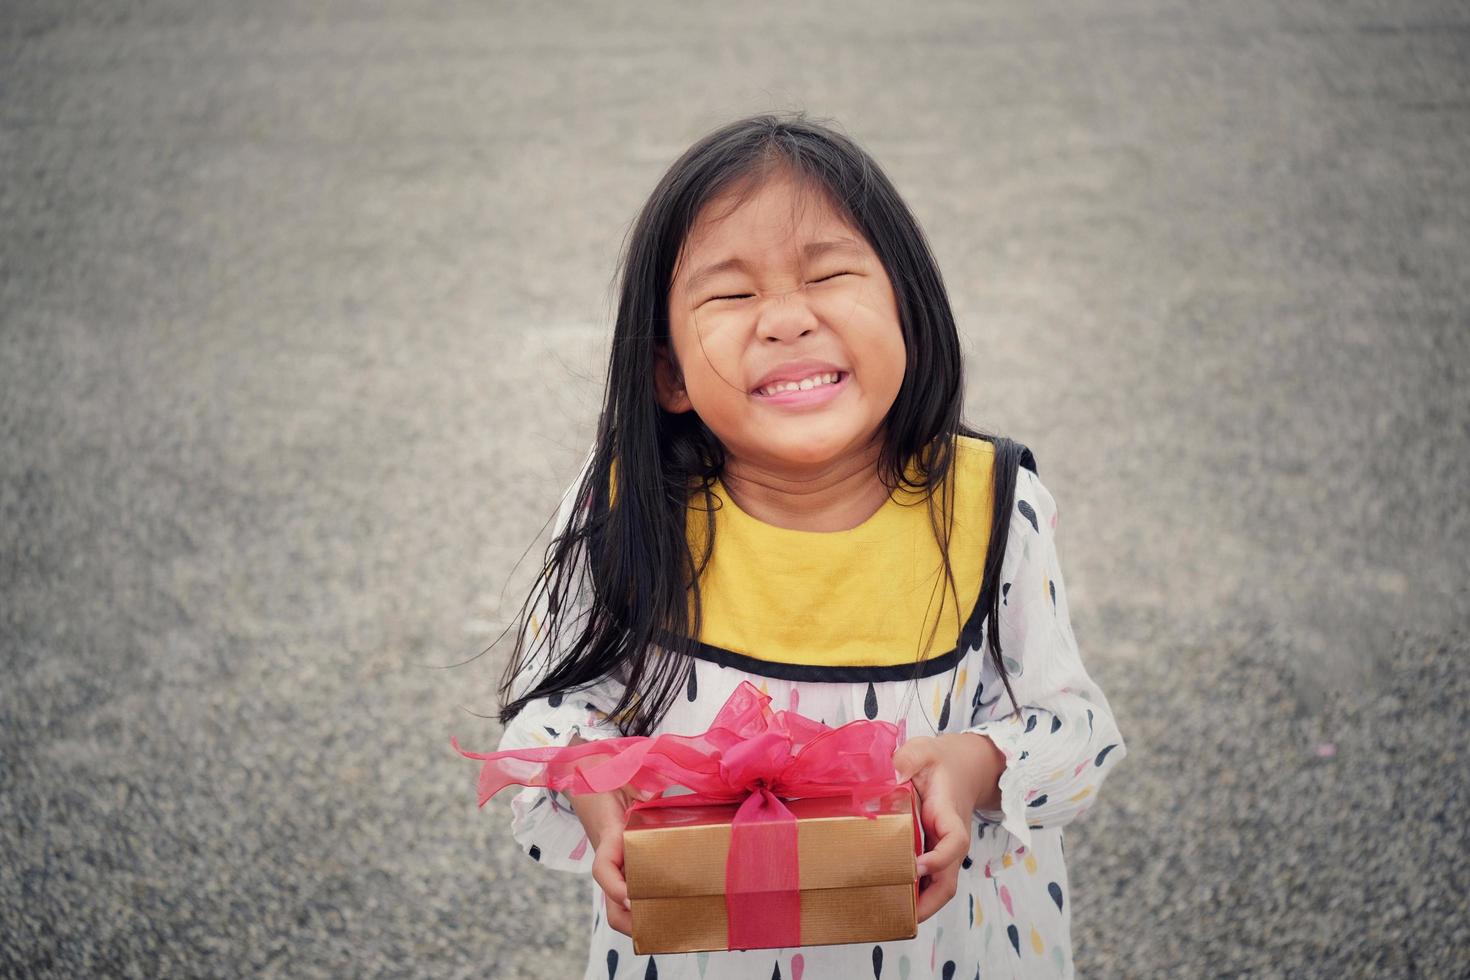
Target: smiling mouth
805	384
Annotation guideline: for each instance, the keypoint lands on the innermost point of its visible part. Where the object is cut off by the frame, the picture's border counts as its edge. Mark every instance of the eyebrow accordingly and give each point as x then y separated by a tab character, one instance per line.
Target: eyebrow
812	250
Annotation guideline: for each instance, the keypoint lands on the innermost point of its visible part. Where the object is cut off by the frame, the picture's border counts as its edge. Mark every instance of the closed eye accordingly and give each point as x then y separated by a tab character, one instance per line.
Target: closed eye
740	296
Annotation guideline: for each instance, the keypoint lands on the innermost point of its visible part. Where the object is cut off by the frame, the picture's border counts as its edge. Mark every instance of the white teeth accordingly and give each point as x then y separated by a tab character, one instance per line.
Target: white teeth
805	384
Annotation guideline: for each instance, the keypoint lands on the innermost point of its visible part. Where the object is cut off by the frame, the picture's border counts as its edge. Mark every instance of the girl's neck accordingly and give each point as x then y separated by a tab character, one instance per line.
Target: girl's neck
837	497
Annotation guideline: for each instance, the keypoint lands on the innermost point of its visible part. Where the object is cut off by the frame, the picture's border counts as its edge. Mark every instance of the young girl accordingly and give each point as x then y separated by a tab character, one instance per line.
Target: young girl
782	491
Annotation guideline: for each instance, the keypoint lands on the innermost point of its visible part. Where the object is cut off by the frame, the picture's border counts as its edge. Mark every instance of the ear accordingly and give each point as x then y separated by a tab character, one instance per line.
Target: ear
668	381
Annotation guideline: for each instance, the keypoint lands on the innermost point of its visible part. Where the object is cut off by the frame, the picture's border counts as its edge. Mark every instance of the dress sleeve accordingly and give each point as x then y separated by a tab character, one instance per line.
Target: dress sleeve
1065	741
542	820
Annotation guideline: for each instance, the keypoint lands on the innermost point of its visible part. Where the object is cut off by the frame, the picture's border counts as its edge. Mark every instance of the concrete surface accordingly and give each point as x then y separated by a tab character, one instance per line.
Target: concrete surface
303	307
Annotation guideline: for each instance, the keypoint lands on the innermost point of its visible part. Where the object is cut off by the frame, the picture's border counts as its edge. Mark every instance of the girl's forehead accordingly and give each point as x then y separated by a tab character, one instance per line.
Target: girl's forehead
777	212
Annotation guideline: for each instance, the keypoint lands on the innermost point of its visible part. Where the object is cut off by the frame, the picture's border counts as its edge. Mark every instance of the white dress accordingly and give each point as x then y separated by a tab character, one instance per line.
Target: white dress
1010	916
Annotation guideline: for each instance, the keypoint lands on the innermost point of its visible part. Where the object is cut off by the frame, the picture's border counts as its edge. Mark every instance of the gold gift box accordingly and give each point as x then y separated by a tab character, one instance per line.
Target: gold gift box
857	876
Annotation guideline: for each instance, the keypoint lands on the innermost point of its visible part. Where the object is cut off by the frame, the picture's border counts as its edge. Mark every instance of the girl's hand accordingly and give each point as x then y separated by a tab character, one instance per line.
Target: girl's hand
603	817
953	774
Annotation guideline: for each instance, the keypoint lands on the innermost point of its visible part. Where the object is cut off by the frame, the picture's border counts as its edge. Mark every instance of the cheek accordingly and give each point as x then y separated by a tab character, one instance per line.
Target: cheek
710	355
892	372
890	339
871	331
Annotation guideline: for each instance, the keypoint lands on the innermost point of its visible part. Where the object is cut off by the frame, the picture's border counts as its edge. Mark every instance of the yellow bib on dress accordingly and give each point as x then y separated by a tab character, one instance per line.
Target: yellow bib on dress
864	597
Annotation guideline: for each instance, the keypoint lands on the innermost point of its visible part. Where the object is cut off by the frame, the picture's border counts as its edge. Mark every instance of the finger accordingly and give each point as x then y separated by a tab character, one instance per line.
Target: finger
904	765
938	890
931	810
619	918
912	756
607	869
950	845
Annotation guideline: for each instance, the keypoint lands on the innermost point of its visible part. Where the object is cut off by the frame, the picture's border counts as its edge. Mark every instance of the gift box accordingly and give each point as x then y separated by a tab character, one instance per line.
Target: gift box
854	876
787	833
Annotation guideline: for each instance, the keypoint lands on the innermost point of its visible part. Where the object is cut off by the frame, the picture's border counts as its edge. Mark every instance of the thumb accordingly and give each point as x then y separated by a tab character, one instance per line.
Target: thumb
907	762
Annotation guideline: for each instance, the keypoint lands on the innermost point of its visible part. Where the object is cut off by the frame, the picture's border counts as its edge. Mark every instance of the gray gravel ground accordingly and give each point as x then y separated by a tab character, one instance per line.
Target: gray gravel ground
302	316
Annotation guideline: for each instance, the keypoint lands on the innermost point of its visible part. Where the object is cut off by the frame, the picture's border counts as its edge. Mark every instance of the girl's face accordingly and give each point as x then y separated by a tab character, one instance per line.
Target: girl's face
785	330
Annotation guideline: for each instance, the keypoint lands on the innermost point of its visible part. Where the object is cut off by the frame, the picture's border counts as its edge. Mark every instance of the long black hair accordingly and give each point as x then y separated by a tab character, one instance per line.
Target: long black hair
620	591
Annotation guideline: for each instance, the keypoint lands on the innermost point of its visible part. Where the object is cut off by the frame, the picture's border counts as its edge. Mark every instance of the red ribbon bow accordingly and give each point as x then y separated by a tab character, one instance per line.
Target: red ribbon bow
750	755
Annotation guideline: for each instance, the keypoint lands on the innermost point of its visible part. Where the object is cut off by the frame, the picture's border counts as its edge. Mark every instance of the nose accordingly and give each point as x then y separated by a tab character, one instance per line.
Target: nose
784	318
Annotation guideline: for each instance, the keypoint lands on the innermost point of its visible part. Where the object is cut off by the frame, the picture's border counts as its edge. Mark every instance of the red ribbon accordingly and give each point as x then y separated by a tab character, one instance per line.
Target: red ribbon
750	755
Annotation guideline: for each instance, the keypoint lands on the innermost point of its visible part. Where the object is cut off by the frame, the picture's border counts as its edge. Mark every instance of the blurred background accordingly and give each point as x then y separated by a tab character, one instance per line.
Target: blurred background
302	314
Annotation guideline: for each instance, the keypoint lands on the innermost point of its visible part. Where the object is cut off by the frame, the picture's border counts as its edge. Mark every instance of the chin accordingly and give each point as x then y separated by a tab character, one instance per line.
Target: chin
812	452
